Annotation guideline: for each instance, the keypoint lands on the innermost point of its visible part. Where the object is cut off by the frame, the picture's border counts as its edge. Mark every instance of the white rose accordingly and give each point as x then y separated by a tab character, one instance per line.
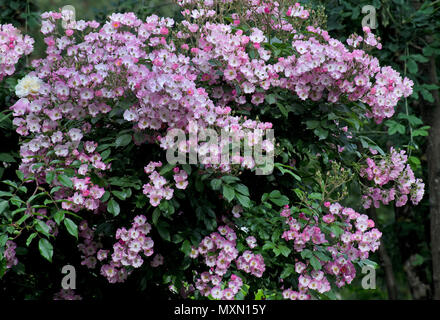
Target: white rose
27	85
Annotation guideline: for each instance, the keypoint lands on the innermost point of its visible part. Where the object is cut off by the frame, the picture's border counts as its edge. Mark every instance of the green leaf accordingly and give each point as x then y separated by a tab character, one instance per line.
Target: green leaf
331	295
121	195
336	230
244	200
6	157
113	207
10	183
427	95
268	245
42	227
419	58
215	184
105	154
285	251
306	253
105	197
412	119
46	249
283	110
23	218
412	66
50	175
3	239
321	256
65	181
19	174
228	192
270	99
3	205
394	127
71	227
312	124
123	140
429	51
278	199
5	194
230	179
315	263
241	188
284	170
315	196
30	238
422	131
287	271
186	247
259	295
167	168
59	216
321	133
156	215
163	229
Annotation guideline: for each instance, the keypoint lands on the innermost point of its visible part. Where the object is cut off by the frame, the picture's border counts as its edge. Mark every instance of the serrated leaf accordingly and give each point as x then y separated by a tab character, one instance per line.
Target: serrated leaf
30	238
412	66
216	184
315	263
312	124
283	110
186	247
58	217
46	249
156	215
244	200
228	192
287	271
123	140
321	133
19	174
50	175
241	188
6	157
3	239
71	227
306	253
268	245
167	168
113	207
162	228
3	205
121	195
65	181
230	179
285	251
42	228
270	99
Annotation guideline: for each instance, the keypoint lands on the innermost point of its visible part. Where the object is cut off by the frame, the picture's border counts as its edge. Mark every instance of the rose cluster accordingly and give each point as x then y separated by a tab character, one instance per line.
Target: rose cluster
219	251
159	188
128	251
393	180
352	237
67	294
88	247
13	45
9	254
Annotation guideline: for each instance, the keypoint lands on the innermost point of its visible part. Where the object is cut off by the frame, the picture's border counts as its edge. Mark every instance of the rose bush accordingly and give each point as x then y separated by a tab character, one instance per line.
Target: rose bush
95	116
